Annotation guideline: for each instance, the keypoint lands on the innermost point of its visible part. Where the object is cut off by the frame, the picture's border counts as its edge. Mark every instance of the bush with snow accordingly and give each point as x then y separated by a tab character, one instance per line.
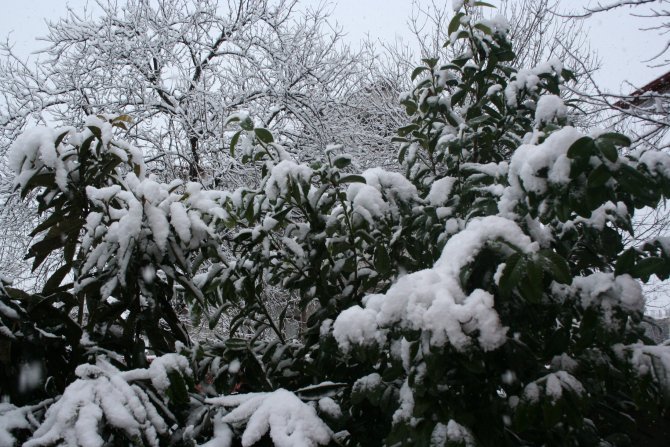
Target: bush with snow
480	295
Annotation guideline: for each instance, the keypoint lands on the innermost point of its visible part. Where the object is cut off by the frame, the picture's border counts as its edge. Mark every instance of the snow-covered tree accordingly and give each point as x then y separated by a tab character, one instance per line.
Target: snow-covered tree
180	68
480	294
540	35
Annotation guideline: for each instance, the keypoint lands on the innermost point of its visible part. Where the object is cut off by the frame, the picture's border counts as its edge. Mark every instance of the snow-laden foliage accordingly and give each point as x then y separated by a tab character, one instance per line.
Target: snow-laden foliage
481	294
180	68
288	420
15	419
104	396
433	300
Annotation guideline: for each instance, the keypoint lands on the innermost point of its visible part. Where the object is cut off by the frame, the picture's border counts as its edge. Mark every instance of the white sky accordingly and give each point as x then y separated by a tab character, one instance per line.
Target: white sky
616	35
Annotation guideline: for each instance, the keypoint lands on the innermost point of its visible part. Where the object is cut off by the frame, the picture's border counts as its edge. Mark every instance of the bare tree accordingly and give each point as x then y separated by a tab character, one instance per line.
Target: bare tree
642	110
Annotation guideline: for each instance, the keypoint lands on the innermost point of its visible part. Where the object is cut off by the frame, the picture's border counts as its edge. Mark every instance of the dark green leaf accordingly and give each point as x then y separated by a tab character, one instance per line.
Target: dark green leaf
430	61
60	137
608	149
455	23
56	278
237	344
581	148
514	269
177	392
410	107
599	176
568	75
648	266
316	392
533	287
485	29
264	135
556	265
342	161
478	120
407	129
247	124
417	71
382	260
233	142
615	138
352	178
96	131
457	97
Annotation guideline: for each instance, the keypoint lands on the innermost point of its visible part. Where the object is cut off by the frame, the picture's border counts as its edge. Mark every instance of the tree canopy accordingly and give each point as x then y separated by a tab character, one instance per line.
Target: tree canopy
479	293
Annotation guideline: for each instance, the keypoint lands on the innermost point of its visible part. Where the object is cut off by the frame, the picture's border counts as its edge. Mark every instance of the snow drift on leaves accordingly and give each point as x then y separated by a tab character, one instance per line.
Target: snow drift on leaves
289	421
528	163
35	149
529	80
13	418
282	174
549	107
103	393
433	300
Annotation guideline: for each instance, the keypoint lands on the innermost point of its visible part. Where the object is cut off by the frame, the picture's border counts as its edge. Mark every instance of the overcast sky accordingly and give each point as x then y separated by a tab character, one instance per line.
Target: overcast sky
616	35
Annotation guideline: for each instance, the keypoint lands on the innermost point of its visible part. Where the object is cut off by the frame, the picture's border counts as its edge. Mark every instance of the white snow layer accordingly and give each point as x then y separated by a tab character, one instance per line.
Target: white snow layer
12	418
453	432
36	149
529	79
380	194
529	160
554	385
158	371
223	434
328	406
549	107
366	201
282	174
391	184
289	421
433	300
607	290
102	392
654	360
440	191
